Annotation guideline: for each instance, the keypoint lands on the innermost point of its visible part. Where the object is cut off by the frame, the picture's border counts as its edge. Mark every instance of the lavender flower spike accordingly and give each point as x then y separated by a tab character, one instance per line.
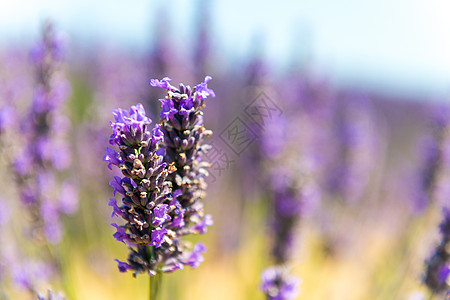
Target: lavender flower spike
184	132
46	149
144	189
153	216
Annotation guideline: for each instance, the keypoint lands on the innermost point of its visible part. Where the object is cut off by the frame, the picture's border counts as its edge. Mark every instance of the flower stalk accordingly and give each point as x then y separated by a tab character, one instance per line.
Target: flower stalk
162	184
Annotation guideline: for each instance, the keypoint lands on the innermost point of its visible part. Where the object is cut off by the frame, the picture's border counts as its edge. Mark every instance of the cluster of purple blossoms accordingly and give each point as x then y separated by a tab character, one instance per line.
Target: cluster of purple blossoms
438	265
163	181
184	132
46	152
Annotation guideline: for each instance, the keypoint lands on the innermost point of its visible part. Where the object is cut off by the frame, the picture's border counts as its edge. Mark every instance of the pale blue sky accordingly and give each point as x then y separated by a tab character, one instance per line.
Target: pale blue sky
402	44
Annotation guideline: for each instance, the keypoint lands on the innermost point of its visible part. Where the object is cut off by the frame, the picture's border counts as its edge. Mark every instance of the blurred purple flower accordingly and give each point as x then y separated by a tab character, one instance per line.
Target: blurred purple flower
46	150
163	83
202	226
278	285
195	257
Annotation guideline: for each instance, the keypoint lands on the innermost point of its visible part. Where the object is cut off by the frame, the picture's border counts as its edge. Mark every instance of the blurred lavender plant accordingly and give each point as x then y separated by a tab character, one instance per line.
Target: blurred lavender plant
163	181
42	160
354	160
277	283
435	168
46	151
438	265
292	189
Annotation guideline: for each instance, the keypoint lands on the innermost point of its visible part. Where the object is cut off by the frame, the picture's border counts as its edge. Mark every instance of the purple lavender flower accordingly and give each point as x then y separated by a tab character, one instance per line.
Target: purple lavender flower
152	213
46	150
438	265
182	125
277	284
43	155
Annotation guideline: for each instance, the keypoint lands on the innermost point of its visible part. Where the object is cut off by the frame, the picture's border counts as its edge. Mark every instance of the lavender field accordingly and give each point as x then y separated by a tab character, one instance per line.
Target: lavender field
183	171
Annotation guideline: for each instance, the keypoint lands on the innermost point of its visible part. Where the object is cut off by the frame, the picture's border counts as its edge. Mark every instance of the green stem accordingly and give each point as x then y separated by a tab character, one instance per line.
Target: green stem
155	285
150	283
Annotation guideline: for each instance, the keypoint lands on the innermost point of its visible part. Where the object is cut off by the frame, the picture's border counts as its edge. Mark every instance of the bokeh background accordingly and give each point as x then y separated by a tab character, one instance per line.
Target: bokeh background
361	86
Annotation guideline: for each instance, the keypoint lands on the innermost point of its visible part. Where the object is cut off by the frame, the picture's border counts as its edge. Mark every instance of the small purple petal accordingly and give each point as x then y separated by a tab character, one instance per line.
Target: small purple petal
158	237
160	215
120	235
112	157
177	193
201	227
116	209
178	221
157	135
203	90
163	83
167	109
117	185
187	107
123	266
196	257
